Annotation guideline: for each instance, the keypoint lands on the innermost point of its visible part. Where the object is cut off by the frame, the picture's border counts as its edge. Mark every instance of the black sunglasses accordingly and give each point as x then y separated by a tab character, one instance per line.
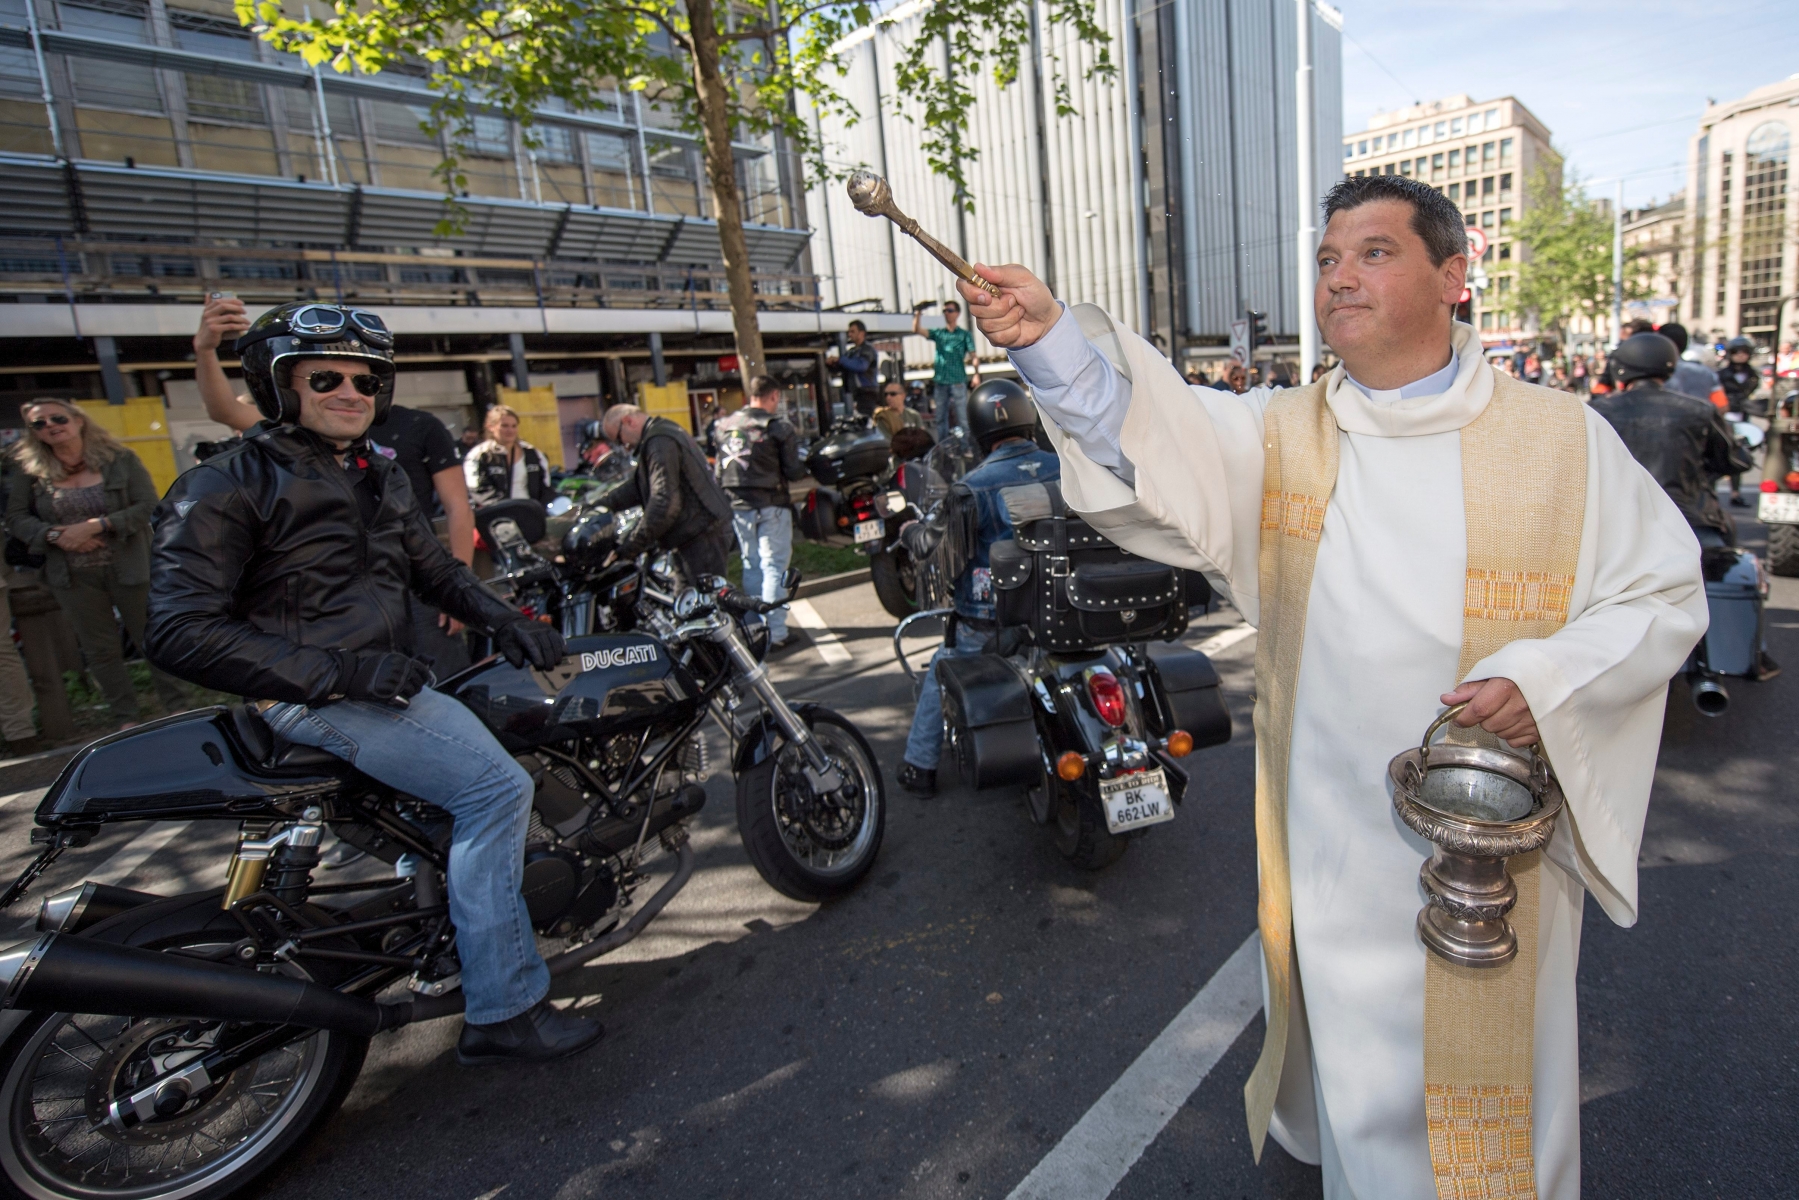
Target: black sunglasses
328	381
40	422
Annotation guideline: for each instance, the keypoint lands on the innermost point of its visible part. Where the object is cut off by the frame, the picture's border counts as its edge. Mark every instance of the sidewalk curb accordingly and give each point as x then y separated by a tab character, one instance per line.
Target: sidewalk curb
832	583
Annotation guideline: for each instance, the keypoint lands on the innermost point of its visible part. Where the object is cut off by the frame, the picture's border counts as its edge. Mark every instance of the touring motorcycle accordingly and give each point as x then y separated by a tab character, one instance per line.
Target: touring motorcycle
159	1047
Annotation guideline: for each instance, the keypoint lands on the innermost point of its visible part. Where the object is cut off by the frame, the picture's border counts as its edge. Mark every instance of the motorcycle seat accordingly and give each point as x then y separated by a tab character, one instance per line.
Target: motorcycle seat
269	749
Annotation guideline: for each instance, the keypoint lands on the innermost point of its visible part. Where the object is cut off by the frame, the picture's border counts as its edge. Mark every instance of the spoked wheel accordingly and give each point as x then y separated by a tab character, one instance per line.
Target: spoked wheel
806	844
61	1072
1080	828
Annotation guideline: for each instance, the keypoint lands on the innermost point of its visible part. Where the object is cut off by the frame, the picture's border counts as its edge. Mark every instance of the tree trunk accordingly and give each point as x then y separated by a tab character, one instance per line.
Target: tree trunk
721	169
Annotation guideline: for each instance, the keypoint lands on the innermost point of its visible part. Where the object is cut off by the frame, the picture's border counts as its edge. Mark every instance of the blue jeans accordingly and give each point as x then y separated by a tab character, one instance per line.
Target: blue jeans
765	540
951	403
924	744
440	752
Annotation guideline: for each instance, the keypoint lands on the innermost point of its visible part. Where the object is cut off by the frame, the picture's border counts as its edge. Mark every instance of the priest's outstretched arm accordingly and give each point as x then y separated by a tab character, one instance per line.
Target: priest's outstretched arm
1167	470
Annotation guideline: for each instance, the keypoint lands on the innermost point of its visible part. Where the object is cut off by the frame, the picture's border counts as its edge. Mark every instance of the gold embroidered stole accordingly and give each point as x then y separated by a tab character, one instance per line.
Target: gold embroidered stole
1524	467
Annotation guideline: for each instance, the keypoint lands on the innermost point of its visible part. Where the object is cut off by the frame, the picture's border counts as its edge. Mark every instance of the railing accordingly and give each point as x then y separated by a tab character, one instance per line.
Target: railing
98	271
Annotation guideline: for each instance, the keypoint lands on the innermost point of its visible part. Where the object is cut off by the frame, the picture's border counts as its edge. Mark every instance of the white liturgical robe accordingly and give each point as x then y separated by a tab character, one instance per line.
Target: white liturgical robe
1382	638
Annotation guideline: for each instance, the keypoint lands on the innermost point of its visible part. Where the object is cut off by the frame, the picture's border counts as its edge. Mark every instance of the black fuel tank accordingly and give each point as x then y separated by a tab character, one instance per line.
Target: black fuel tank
187	765
608	683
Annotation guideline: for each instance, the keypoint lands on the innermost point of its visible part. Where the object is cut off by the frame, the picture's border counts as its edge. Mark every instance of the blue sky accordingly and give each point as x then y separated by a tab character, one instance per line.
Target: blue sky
1588	71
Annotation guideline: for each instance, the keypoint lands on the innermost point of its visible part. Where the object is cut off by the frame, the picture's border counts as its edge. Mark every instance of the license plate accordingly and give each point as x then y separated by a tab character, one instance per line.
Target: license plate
1779	508
870	531
1133	801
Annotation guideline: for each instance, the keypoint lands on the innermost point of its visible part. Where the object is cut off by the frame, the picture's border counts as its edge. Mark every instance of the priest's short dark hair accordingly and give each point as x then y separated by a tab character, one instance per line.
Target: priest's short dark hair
1435	218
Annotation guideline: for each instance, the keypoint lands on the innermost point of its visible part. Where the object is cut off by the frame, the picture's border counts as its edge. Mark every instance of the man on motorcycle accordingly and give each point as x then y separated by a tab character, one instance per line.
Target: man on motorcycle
1691	377
1684	443
684	509
1002	419
758	452
280	571
1740	381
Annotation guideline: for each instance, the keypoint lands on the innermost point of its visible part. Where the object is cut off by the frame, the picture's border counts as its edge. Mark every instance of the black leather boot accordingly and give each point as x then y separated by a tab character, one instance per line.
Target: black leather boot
920	781
541	1034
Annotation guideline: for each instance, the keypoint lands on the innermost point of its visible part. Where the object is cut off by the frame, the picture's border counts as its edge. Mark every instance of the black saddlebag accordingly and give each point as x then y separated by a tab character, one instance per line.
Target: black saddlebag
988	709
1190	684
1075	590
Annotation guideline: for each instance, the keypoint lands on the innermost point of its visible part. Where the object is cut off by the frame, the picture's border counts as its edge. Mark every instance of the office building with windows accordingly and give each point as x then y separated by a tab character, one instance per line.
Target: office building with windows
1743	248
152	151
1169	197
1482	154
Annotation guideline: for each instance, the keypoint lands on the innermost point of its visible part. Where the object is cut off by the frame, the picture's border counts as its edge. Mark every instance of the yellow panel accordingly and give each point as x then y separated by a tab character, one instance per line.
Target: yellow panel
545	432
117	136
533	400
142	424
24	129
669	400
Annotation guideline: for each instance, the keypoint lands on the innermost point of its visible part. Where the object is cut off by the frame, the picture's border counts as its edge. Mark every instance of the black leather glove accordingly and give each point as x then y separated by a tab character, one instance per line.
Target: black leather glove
527	639
382	677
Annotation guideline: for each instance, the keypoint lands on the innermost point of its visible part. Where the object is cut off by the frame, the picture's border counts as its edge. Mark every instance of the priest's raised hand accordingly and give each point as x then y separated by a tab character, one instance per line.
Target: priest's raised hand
1413	528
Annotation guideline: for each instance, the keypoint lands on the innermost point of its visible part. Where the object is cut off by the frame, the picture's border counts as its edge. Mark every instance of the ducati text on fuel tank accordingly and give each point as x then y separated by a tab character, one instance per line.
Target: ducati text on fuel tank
617	656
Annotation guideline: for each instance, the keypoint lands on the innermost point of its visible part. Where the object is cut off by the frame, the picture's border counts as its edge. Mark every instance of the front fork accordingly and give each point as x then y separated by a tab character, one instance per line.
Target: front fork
823	774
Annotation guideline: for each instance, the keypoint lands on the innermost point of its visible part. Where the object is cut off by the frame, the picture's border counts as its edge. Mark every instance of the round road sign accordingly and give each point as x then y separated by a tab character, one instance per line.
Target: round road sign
1477	243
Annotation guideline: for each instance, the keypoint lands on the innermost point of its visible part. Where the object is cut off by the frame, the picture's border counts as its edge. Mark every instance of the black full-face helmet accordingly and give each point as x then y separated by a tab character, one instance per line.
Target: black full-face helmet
1644	356
1000	409
309	329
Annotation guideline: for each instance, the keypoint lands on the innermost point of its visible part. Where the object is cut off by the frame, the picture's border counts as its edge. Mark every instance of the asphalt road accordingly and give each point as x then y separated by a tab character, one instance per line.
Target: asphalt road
940	1031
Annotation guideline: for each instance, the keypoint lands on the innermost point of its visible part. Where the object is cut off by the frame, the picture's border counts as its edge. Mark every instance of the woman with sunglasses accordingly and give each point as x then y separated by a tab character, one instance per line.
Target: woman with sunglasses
505	466
87	511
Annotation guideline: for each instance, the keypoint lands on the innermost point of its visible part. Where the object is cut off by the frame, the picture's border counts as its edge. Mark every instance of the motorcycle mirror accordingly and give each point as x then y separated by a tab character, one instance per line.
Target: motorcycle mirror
1751	434
790	582
560	505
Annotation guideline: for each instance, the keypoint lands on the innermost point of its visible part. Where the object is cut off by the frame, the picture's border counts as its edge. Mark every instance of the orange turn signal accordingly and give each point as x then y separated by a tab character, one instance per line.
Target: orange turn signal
1071	766
1792	481
1180	743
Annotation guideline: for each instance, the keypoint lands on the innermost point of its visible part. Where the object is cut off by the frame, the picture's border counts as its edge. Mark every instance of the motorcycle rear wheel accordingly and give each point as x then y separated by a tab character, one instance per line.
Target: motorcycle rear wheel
1783	549
808	848
893	583
59	1071
1080	828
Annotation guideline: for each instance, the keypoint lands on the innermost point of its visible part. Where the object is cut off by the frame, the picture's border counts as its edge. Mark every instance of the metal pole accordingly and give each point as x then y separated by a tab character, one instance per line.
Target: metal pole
521	378
318	87
1618	265
43	79
110	375
658	367
1308	202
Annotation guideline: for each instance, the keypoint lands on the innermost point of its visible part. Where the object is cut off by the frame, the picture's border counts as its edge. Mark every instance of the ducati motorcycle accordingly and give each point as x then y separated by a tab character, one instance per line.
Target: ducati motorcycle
160	1047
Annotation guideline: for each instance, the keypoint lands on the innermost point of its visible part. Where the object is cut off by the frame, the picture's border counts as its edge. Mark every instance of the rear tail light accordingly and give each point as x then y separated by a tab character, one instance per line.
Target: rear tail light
1071	766
1108	697
1768	485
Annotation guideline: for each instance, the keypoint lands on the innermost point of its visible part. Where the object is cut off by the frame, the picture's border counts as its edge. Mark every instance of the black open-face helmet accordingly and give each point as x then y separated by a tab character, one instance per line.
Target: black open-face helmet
308	329
1739	344
1000	409
1644	356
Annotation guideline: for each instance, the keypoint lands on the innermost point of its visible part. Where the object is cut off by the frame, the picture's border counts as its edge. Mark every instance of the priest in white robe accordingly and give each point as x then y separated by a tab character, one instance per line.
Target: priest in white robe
1380	633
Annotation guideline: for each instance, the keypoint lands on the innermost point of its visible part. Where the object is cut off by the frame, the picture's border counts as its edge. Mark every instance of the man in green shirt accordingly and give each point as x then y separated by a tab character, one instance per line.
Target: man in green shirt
955	359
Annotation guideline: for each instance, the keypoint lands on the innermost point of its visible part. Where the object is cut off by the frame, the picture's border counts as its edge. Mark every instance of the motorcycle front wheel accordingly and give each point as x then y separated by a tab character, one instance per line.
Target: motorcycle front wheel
59	1072
805	845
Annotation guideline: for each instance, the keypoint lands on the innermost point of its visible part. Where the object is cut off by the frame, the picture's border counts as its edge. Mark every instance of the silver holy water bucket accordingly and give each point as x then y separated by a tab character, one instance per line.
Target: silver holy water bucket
1480	807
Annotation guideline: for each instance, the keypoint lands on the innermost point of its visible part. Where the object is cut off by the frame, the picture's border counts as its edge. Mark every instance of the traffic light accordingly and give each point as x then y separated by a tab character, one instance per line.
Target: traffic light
1258	329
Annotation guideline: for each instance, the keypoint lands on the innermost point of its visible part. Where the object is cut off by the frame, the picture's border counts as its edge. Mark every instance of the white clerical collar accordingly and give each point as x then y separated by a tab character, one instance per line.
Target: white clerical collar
1434	384
1442	401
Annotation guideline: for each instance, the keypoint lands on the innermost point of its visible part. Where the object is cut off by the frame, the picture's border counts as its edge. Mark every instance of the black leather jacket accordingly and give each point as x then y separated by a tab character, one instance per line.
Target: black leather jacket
1739	381
674	485
758	453
262	565
1685	443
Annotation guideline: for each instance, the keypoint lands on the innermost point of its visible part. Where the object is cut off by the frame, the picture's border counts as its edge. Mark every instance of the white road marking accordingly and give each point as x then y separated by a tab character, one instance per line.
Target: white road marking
1218	643
1100	1150
830	647
137	851
33	796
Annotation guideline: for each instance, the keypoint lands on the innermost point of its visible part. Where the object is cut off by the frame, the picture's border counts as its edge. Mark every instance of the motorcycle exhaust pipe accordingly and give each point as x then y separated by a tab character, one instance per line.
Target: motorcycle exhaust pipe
1709	696
60	973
